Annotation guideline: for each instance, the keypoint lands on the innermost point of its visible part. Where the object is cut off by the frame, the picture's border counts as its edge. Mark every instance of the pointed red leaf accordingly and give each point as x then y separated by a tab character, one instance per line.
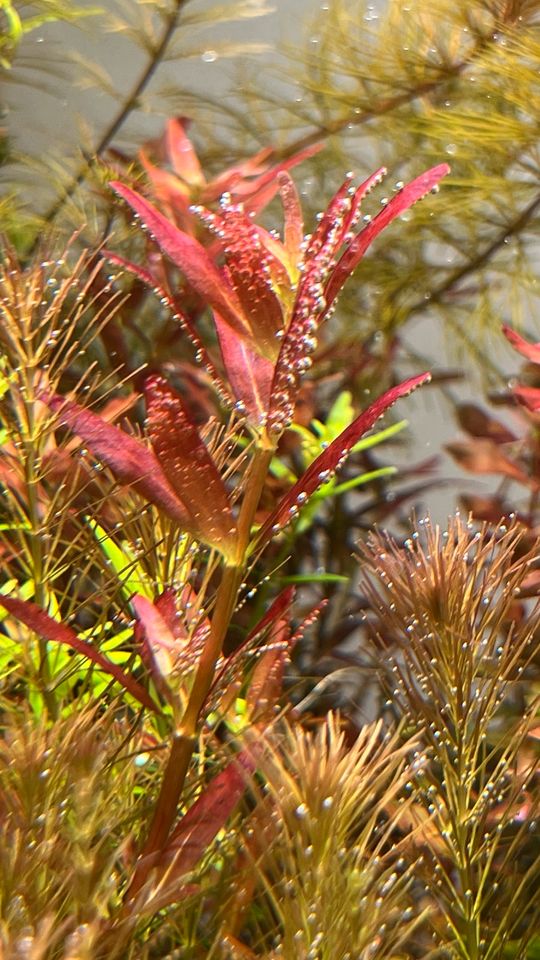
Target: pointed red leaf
182	155
329	461
490	508
41	623
397	205
160	642
249	266
249	374
170	193
194	622
529	397
360	194
529	350
477	423
166	604
293	234
149	280
277	610
330	225
236	179
127	457
200	825
179	629
484	456
188	466
191	258
262	190
266	684
309	310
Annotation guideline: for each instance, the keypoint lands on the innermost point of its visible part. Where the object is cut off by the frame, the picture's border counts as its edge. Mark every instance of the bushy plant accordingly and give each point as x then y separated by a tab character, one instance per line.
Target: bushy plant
176	779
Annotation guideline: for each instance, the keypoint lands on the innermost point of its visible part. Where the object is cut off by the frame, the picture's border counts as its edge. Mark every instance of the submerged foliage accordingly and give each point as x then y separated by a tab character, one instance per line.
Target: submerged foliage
461	662
185	464
128	560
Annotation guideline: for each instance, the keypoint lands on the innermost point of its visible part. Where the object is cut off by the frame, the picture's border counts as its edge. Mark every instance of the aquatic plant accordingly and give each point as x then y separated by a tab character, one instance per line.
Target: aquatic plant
460	656
130	556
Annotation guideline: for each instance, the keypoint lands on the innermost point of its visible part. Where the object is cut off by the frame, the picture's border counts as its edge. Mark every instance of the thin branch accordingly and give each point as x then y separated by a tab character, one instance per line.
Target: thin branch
131	103
379	109
480	260
389	104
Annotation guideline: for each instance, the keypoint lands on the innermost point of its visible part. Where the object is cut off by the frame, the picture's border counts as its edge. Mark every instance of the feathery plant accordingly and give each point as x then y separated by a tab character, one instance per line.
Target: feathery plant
149	35
461	657
454	77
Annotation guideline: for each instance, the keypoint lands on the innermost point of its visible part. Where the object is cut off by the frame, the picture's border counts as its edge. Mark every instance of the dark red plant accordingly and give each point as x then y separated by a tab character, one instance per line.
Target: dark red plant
270	297
179	180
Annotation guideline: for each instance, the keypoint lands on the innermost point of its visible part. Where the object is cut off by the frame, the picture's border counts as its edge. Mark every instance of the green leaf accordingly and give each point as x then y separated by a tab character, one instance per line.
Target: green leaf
340	414
302	578
361	479
380	436
123	561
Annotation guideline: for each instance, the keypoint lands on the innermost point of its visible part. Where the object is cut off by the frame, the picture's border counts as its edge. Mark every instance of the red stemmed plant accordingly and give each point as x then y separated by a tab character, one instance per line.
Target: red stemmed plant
509	452
268	298
178	181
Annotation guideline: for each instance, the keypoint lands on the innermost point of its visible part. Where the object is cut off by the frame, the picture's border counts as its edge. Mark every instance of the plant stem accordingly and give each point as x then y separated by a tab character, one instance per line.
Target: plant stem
185	738
130	103
30	445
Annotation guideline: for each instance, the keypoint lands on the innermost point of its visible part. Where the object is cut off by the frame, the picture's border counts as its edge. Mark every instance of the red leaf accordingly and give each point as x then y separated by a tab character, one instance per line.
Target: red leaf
188	466
529	350
484	456
490	508
293	234
182	154
276	612
127	457
199	826
249	265
160	642
171	193
149	280
530	587
41	623
336	215
398	204
191	258
249	374
529	397
266	684
360	194
257	194
328	462
477	423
